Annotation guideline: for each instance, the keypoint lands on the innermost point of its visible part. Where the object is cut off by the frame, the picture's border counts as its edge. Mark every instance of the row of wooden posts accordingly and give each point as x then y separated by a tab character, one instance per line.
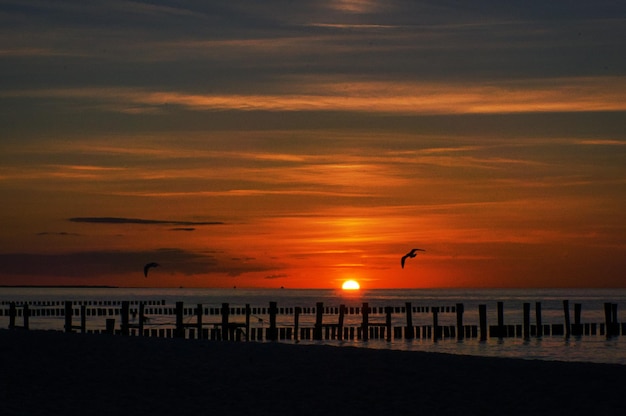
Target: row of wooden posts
227	330
84	302
112	308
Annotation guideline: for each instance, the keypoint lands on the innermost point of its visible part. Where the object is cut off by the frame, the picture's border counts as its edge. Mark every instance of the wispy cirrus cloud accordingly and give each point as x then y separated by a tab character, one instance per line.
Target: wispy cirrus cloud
550	95
602	142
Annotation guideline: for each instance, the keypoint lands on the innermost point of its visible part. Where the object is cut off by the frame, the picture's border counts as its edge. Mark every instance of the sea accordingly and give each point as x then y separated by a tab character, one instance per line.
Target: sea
597	348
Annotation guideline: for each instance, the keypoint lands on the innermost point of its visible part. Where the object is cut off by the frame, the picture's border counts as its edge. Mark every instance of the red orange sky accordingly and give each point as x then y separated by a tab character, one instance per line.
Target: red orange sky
269	145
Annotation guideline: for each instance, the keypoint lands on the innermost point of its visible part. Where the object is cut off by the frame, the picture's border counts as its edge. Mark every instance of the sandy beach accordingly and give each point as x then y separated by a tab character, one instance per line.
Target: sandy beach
51	373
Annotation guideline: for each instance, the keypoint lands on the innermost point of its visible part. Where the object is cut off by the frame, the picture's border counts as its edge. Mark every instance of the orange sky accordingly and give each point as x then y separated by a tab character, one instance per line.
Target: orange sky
302	146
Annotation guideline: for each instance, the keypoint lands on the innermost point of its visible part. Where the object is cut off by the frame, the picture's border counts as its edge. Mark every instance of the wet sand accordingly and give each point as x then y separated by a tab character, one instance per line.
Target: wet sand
51	373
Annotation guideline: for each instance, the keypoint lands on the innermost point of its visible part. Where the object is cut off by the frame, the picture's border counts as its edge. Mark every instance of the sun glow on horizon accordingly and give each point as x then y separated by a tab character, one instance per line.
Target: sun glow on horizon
350	285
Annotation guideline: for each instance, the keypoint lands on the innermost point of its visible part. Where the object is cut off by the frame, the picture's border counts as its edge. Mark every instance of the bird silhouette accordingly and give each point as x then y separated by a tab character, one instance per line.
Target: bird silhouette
148	267
411	254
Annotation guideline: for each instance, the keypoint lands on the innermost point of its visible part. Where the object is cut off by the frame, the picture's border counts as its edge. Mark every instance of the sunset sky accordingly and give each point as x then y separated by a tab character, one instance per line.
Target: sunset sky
303	143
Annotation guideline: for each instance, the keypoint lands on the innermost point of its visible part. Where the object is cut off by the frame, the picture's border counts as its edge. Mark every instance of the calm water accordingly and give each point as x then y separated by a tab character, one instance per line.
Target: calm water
586	348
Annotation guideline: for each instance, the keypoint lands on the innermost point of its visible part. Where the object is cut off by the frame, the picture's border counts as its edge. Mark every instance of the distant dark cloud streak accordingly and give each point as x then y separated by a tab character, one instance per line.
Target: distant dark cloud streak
61	233
277	276
121	220
93	264
108	263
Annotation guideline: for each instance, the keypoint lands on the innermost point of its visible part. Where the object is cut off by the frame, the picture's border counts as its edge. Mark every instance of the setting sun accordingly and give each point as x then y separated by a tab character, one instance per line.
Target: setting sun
350	285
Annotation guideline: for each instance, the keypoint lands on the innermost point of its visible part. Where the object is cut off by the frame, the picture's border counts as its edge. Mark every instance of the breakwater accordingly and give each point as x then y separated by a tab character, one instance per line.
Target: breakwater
320	322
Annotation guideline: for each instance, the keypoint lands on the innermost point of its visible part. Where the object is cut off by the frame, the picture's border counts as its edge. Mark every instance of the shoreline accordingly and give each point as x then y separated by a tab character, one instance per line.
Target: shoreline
49	372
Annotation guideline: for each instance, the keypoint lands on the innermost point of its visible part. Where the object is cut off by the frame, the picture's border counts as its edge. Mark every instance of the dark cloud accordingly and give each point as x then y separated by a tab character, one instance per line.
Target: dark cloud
62	233
183	229
89	264
95	264
277	276
118	220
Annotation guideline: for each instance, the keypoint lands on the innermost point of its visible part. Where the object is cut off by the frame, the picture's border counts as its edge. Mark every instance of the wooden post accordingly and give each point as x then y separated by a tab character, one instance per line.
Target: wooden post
538	319
436	328
482	312
388	310
25	316
319	316
273	332
12	315
500	319
459	321
614	313
179	331
248	312
614	323
342	312
225	311
110	326
577	312
607	317
568	329
68	316
296	322
199	320
83	319
125	314
365	325
526	320
142	309
410	330
577	328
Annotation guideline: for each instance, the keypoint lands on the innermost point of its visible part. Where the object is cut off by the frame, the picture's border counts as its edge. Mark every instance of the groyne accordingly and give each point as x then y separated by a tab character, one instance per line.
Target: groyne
274	323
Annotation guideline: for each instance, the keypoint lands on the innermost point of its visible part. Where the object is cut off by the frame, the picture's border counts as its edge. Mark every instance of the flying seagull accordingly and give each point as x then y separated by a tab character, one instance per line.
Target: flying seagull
148	267
411	254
